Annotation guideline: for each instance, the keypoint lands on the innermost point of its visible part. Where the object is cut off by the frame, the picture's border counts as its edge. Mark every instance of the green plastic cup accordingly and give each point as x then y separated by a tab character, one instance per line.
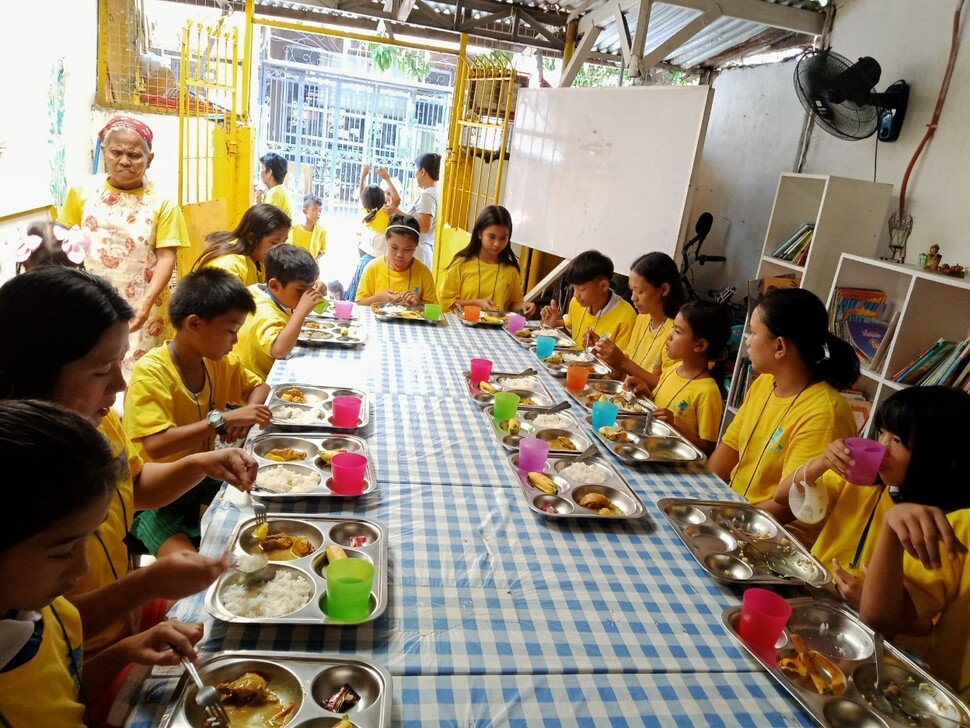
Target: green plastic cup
505	406
432	311
349	583
322	306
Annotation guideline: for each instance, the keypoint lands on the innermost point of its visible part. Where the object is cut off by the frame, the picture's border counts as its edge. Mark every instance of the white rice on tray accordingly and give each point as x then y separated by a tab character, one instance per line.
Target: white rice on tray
586	473
285	593
286	413
518	382
280	479
582	357
552	421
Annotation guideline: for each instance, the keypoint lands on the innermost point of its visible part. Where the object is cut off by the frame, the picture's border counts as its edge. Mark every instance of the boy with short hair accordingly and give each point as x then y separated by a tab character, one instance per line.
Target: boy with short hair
282	305
310	235
595	306
272	173
179	394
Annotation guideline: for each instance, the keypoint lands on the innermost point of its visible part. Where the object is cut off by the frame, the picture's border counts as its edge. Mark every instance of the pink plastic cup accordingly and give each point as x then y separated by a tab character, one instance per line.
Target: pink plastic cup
479	370
343	309
532	454
516	322
868	455
346	411
348	469
764	615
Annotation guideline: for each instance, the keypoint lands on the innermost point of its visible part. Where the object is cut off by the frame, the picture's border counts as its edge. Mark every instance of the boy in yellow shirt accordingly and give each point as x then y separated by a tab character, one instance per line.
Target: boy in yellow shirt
310	235
179	394
272	173
594	306
282	305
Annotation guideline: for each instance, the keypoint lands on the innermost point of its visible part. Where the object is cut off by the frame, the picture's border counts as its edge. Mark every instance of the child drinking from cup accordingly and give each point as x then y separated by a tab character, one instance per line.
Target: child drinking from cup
689	396
242	251
178	398
915	425
42	557
658	295
282	305
594	307
485	273
50	243
397	276
310	235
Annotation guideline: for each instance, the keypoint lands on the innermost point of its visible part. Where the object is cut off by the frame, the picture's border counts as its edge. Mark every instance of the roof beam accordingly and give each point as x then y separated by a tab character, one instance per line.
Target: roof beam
634	65
680	37
579	57
540	28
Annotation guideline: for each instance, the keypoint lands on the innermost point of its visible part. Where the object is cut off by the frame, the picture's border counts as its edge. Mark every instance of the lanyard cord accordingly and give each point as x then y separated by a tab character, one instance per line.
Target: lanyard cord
387	265
206	380
279	305
646	330
494	283
596	319
682	386
97	534
865	531
768	440
74	665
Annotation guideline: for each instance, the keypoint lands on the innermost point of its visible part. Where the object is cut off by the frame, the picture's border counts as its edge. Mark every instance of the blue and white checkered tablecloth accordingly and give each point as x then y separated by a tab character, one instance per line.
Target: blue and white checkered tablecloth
496	615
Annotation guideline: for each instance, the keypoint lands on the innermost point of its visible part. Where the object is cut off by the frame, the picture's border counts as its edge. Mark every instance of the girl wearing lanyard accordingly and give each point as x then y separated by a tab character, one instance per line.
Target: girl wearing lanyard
398	276
243	251
658	295
925	431
793	410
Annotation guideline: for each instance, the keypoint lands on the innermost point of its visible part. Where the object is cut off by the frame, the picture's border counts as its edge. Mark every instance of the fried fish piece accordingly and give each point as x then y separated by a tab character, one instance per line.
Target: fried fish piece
249	689
285	454
597	502
276	542
562	443
293	394
301	546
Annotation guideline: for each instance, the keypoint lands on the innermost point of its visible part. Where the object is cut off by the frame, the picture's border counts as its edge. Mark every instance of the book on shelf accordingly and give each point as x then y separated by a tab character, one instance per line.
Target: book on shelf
880	356
858	316
860	406
758	288
795	246
916	370
741	381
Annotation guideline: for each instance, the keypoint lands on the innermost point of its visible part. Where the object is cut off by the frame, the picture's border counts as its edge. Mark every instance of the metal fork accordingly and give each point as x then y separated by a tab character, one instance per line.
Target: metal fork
259	510
206	697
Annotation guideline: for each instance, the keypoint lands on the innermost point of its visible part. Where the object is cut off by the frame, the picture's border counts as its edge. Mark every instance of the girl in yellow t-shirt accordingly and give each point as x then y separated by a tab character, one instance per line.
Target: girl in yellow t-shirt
485	272
398	276
688	396
242	251
375	203
658	295
793	410
42	683
915	425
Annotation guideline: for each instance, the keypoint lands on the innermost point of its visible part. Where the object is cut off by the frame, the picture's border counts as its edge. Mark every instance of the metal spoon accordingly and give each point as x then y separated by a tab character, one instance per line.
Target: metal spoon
561	407
588	454
877	695
530	372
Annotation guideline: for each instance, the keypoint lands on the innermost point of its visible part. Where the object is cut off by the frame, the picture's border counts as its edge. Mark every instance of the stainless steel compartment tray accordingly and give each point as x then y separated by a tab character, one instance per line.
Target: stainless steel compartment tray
322	531
734	542
565	503
597	369
564	340
400	312
834	631
335	333
611	389
570	428
661	443
307	678
488	319
318	405
311	443
536	392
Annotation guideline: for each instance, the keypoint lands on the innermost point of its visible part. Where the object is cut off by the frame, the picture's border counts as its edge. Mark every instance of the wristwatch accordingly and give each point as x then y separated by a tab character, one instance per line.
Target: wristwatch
217	420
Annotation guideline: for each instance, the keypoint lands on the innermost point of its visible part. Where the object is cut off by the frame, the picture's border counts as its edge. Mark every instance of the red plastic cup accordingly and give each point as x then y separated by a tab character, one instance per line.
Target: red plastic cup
868	455
479	370
764	615
348	469
346	411
576	378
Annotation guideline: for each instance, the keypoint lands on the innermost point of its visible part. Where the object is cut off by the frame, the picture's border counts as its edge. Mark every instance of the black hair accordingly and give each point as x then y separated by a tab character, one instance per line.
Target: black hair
799	316
934	424
399	222
209	293
257	222
372	198
588	266
288	263
336	289
50	251
51	317
65	462
712	323
276	164
491	215
312	199
430	163
657	269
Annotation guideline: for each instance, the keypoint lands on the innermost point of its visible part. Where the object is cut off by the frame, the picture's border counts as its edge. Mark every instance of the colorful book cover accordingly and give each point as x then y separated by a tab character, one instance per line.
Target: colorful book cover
866	336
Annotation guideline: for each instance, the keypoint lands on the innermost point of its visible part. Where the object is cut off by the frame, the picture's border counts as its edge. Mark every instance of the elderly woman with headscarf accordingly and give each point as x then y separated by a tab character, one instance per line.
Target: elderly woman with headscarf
135	232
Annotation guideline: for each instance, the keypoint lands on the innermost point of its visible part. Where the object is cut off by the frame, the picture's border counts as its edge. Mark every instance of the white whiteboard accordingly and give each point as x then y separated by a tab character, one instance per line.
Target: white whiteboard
604	168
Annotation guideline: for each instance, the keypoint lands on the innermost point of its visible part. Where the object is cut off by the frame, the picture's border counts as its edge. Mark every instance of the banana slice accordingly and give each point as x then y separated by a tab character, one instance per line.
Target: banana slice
487	388
328	455
335	553
512	426
543	482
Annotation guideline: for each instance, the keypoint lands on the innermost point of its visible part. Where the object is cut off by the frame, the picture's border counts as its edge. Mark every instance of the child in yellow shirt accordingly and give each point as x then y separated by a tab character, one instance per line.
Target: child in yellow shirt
375	203
658	295
310	235
688	396
282	305
594	306
242	251
42	683
272	173
485	273
178	398
397	276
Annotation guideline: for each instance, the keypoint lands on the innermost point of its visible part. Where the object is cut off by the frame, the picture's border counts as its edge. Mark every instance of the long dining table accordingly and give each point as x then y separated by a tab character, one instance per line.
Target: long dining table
497	616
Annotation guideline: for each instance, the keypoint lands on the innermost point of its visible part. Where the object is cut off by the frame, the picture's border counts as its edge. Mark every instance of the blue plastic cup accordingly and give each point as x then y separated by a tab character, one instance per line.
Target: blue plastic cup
604	414
545	345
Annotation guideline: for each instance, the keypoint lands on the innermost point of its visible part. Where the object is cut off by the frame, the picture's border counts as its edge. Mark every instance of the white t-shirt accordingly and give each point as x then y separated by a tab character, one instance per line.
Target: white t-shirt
426	204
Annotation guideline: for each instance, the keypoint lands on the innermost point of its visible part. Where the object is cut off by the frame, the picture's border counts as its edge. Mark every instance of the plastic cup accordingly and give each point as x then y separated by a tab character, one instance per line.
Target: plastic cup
322	306
764	615
472	313
346	410
604	414
545	345
532	454
868	455
479	370
343	309
516	322
576	377
348	469
349	583
432	311
505	406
